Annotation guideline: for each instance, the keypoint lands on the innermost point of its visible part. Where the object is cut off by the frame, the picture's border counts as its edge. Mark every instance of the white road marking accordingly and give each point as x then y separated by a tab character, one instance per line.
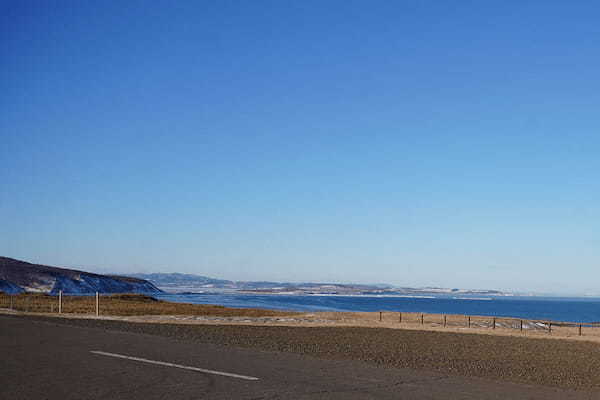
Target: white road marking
206	371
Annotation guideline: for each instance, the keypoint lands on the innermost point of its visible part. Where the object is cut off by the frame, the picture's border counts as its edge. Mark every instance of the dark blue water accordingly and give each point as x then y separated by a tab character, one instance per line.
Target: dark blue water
546	308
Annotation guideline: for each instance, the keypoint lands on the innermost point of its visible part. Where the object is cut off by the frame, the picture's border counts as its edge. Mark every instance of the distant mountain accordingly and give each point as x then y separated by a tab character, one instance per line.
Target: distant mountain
184	282
177	279
19	276
178	283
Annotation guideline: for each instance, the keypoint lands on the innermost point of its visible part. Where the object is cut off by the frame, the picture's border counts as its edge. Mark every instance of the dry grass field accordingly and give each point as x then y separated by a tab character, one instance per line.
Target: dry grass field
123	305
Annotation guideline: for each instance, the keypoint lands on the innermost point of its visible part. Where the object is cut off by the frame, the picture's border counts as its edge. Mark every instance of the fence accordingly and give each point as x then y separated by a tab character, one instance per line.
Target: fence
132	304
118	305
43	303
97	304
483	322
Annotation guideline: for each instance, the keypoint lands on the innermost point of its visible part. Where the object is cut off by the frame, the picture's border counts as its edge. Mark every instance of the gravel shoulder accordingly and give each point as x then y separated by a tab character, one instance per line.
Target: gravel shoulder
547	362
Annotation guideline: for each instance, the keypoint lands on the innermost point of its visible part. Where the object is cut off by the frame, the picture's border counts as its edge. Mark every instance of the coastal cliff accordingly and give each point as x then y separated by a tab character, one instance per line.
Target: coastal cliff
18	276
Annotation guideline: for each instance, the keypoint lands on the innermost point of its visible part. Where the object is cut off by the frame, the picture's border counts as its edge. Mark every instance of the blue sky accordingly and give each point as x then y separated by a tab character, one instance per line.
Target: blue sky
454	144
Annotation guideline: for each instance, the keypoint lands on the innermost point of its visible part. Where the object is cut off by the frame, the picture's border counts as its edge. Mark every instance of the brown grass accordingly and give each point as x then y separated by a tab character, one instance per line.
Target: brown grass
125	305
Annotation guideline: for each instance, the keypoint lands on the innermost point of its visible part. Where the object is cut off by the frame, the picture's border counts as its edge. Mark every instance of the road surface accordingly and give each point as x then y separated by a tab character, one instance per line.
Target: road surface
46	360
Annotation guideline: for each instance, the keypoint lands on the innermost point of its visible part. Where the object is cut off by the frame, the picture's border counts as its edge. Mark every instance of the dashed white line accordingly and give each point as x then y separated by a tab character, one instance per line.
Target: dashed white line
167	364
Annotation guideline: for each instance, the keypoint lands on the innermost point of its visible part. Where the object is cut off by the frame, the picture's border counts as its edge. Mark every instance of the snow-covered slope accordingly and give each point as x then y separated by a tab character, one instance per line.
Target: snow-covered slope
17	276
10	288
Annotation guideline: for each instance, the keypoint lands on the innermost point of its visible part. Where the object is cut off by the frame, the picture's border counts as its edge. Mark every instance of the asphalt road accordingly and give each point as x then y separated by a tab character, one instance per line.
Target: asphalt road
46	360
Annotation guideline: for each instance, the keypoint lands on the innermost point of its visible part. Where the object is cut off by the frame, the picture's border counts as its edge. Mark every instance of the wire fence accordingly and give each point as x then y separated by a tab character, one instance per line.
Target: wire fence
117	305
136	304
96	304
480	322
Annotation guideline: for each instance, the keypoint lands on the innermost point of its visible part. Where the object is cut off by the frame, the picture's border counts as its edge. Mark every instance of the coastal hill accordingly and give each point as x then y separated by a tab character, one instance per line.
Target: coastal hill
189	283
18	276
177	282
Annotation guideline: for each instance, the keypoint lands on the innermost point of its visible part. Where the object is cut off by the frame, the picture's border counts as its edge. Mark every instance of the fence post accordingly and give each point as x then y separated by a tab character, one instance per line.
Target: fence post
494	323
421	319
521	325
579	329
444	321
97	305
60	301
400	318
380	316
469	323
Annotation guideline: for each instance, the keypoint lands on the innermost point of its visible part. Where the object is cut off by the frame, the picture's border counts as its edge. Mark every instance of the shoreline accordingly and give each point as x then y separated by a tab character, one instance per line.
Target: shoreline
142	308
499	307
210	300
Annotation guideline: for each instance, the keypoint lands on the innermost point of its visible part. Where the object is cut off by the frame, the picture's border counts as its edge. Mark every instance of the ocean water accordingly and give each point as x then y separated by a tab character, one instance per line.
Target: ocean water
584	310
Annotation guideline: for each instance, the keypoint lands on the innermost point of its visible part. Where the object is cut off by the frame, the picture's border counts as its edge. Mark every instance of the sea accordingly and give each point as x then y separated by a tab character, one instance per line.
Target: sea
566	309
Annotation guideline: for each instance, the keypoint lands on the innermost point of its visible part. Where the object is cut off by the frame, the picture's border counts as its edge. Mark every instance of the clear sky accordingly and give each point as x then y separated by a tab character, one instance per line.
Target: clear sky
416	143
